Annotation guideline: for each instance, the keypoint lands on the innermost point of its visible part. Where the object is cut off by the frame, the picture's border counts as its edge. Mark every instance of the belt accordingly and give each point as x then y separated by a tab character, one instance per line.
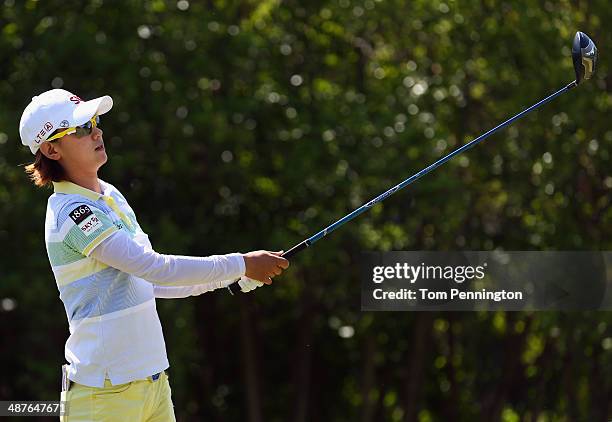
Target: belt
66	382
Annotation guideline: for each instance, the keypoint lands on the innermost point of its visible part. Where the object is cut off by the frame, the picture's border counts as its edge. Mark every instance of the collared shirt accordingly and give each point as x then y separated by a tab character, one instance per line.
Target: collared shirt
115	331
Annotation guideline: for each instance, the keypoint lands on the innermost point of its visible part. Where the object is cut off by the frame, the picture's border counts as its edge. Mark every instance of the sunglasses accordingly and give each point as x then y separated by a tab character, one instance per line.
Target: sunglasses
79	131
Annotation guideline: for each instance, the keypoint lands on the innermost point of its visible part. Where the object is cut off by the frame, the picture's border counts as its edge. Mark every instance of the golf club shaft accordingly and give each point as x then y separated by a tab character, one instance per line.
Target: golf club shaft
307	242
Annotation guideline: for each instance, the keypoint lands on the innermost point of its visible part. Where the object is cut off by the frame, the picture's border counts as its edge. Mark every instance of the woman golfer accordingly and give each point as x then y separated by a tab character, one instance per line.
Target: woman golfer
107	273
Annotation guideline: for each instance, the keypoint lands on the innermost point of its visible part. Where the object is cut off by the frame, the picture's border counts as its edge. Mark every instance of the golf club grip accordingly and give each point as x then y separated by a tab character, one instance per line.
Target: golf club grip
297	248
235	287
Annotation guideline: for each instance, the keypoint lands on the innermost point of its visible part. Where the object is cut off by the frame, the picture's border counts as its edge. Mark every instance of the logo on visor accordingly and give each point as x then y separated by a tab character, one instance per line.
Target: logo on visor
75	99
64	124
40	136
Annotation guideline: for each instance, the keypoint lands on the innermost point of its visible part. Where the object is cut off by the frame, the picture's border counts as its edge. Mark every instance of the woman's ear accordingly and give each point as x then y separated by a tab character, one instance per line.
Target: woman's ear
50	150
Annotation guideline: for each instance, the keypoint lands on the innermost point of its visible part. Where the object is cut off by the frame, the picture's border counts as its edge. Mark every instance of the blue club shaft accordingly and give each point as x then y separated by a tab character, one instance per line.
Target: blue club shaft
428	169
306	243
432	167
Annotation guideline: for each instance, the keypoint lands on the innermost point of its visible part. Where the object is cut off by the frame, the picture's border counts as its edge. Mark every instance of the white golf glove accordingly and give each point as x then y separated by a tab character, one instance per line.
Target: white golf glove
247	284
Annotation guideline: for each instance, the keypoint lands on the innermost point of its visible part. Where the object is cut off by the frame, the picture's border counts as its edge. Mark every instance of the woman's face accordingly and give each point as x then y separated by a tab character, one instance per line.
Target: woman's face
82	154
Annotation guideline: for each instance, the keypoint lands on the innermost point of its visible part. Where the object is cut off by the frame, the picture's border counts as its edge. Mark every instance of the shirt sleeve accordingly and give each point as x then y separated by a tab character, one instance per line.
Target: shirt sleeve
178	292
120	251
86	226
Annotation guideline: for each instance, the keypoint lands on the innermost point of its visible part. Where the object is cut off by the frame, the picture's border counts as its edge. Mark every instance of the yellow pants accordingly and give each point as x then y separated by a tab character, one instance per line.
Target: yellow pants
141	400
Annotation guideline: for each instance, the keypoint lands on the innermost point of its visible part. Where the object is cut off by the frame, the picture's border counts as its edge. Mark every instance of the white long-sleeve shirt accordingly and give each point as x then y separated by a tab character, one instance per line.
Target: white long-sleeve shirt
108	276
172	276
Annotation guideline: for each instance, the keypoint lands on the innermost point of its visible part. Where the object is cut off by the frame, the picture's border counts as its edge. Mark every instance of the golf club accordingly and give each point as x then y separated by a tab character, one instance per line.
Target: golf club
584	56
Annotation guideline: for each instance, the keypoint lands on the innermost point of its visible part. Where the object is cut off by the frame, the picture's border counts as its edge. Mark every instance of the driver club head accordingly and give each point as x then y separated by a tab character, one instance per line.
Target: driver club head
584	55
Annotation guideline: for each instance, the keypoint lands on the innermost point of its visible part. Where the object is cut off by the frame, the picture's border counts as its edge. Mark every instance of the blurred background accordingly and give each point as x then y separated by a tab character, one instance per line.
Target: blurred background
252	125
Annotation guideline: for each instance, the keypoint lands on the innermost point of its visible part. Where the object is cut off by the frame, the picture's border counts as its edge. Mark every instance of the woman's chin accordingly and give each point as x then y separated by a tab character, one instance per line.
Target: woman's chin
102	158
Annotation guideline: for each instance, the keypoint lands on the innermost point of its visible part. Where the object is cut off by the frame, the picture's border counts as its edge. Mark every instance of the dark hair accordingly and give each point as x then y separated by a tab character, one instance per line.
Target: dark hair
44	170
